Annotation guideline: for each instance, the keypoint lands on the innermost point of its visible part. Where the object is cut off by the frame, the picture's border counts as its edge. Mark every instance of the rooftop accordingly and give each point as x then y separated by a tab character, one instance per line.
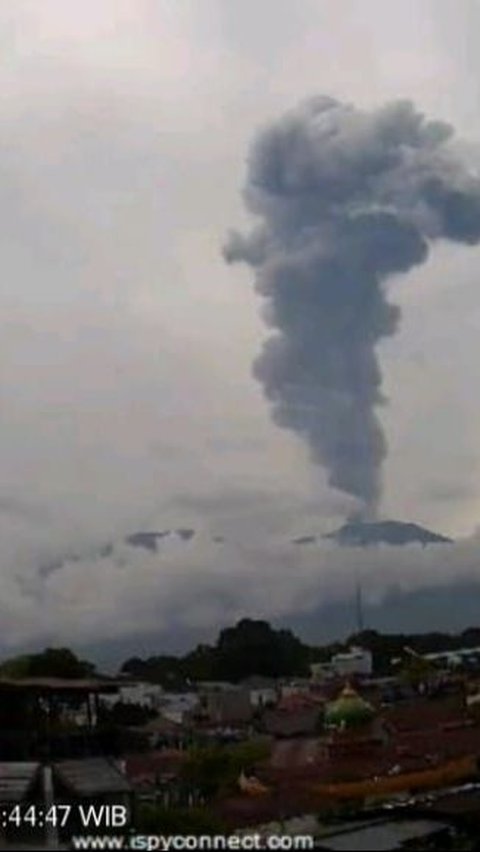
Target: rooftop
16	779
425	714
421	735
146	768
382	835
91	777
349	710
259	682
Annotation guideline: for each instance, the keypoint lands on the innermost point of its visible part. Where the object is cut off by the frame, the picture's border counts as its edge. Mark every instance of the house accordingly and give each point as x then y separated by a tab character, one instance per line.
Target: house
51	702
351	752
321	672
227	707
298	686
158	733
215	685
20	784
461	657
263	691
90	782
97	779
148	695
357	661
156	772
178	707
292	720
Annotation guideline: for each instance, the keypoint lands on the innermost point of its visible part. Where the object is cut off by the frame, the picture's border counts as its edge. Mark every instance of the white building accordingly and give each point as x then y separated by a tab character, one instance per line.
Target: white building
263	690
454	659
263	696
147	694
299	686
357	661
227	706
176	707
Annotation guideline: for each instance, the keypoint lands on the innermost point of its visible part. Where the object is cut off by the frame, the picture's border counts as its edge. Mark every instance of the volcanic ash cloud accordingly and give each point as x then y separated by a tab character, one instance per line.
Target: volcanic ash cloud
344	199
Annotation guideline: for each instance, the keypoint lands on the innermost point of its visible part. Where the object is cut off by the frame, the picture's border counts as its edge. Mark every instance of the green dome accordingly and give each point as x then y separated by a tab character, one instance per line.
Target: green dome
348	711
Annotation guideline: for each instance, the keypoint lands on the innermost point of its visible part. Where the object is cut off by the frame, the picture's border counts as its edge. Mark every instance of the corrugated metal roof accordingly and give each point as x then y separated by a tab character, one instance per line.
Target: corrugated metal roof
383	836
424	714
16	780
91	777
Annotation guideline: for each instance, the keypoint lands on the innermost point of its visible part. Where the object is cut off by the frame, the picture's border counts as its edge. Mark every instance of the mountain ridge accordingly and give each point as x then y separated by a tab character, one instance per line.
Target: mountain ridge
395	533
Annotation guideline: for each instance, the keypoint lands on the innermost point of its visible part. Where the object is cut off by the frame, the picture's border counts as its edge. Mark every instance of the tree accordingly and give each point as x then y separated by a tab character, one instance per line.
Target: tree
214	769
417	671
255	648
125	714
16	667
246	756
206	771
166	670
200	663
52	662
249	648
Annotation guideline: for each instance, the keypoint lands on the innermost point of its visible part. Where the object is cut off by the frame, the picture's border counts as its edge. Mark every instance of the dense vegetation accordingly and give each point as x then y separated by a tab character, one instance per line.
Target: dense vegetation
249	648
52	662
125	714
215	769
255	648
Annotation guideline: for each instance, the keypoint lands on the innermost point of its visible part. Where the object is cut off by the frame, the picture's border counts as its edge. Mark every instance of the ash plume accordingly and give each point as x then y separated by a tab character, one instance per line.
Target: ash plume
344	199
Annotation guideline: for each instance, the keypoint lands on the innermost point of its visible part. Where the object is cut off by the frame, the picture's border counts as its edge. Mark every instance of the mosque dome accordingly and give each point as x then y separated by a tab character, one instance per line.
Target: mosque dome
348	711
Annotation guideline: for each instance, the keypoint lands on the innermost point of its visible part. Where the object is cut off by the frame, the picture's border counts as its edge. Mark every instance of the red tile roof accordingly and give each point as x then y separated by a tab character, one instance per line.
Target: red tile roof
424	714
300	701
441	733
288	723
295	753
288	799
146	768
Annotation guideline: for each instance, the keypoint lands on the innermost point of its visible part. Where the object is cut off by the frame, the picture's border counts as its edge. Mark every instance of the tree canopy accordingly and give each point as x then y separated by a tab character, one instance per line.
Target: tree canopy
213	769
255	648
249	648
52	662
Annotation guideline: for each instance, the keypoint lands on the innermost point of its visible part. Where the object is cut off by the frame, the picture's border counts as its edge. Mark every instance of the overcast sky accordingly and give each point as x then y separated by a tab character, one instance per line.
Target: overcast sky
126	391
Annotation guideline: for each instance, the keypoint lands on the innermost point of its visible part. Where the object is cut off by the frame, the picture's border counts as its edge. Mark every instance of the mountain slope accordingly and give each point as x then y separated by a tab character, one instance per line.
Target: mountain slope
363	534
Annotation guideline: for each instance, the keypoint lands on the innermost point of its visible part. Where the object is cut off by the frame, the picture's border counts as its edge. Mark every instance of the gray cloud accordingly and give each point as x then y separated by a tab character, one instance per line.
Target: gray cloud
445	492
125	387
345	199
200	585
